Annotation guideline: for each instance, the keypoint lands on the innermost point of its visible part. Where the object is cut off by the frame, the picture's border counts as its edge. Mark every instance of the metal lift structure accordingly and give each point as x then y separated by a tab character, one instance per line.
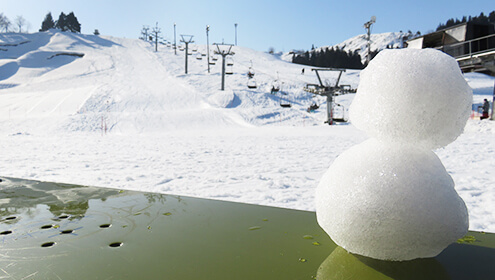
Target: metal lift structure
330	92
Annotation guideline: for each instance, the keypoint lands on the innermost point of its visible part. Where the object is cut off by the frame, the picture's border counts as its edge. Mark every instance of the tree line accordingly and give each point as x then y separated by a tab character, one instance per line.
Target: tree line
65	23
329	57
481	19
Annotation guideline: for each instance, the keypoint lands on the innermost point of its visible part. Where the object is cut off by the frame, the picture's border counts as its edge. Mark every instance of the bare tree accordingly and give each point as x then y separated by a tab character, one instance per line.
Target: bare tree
20	22
4	23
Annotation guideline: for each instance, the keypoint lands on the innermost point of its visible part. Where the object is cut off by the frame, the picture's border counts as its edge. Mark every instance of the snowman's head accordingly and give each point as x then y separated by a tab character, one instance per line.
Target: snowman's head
414	96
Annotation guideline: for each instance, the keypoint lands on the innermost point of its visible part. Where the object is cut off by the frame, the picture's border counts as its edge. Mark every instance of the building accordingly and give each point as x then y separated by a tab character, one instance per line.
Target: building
471	44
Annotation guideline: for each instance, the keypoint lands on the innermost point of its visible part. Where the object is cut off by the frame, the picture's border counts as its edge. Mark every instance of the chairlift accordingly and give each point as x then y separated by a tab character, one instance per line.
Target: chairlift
250	72
285	104
199	57
194	49
313	107
275	87
342	118
214	57
229	61
229	70
252	83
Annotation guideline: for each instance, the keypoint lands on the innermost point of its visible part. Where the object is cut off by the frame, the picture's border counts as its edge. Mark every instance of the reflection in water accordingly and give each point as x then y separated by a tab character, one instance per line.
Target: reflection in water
19	196
343	265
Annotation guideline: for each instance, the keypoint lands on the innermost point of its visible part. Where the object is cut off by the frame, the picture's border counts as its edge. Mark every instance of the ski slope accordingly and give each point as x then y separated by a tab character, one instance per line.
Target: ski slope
112	112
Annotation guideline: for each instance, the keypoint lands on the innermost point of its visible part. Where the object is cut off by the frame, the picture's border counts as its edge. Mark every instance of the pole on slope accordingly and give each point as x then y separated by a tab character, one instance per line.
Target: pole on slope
186	39
493	101
224	50
235	24
367	25
208	47
175	40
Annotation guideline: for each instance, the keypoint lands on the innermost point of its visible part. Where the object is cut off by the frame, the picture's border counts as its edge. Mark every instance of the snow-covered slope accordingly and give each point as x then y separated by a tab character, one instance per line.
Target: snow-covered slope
72	82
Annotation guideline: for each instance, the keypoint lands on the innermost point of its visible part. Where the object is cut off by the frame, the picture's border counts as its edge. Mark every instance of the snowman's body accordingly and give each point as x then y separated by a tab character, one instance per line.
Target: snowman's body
390	197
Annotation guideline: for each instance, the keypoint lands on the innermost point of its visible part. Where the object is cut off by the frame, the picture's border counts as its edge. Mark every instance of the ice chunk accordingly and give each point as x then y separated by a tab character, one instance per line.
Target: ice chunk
390	201
411	95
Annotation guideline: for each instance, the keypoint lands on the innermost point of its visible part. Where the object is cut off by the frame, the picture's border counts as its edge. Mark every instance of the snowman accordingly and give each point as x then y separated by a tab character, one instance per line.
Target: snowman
390	197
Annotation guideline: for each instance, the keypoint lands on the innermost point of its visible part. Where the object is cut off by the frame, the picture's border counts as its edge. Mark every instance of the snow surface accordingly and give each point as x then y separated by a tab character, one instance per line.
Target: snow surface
179	134
390	197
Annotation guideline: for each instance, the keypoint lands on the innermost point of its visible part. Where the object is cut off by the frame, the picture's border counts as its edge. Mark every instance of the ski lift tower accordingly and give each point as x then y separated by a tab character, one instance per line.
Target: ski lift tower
367	25
224	50
329	91
186	39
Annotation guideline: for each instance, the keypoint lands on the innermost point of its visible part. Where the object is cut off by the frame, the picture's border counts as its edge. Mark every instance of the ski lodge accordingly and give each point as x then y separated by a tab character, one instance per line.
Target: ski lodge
471	44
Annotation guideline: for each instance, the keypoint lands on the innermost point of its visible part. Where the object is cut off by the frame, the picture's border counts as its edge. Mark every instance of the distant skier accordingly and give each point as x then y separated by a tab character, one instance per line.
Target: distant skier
302	72
486	109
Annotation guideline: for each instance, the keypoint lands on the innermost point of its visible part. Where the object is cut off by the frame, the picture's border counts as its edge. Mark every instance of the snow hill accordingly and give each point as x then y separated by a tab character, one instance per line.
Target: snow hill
112	112
72	82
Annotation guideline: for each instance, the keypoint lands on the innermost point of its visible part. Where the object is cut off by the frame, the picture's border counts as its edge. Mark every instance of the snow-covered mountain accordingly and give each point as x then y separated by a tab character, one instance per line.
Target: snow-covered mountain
359	43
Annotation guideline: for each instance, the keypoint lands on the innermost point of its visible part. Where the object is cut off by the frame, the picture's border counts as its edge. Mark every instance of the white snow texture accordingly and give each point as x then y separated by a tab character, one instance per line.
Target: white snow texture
390	197
390	202
412	95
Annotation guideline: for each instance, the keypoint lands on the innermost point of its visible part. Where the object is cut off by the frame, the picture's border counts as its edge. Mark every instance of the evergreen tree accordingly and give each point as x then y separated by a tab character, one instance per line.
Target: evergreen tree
73	24
481	19
47	23
61	22
336	58
68	23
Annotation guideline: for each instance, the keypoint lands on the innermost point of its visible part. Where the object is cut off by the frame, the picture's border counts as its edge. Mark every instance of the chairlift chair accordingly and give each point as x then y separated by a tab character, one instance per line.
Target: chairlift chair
252	83
229	70
229	61
199	57
284	102
250	72
342	118
275	87
313	107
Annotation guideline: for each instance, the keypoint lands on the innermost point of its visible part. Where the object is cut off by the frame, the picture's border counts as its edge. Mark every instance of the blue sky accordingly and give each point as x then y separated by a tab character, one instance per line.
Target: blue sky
281	24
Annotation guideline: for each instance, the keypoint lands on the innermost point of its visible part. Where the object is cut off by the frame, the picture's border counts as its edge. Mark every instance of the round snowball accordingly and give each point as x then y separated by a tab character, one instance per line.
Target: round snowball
390	202
411	95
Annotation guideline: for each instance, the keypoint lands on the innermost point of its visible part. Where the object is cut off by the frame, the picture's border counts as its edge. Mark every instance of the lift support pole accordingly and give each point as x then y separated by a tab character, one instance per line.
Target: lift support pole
187	41
223	52
329	91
